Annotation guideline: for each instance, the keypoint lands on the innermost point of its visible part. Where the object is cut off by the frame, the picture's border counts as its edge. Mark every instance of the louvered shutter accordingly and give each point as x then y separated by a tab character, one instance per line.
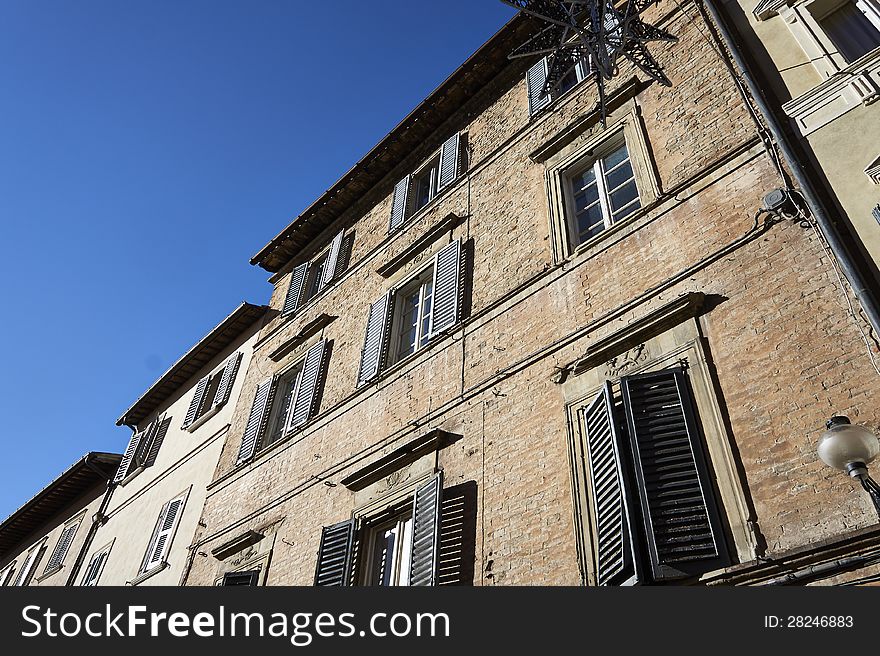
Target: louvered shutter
196	403
295	291
426	523
129	456
375	340
62	547
94	569
400	203
335	555
306	397
536	79
447	288
29	565
158	431
678	507
256	420
450	161
332	261
161	541
227	380
6	574
616	556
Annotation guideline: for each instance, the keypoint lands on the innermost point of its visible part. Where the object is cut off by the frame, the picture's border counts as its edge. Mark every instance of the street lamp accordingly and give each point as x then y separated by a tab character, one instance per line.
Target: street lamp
850	448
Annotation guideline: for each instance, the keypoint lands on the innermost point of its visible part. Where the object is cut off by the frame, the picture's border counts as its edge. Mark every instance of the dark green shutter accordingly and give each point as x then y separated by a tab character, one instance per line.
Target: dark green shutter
426	522
680	516
335	555
616	557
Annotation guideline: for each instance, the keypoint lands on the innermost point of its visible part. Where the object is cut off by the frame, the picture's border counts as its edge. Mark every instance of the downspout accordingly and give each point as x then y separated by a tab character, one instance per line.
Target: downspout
856	277
98	520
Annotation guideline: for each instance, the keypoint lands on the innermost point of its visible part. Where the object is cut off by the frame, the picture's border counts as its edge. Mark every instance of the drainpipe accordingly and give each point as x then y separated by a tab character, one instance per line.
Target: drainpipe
98	520
856	277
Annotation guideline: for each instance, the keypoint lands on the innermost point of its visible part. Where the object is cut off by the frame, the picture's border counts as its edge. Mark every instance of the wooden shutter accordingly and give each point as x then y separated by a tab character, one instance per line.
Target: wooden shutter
616	558
129	456
94	569
536	79
196	403
400	203
159	430
62	547
256	420
6	574
450	161
295	291
29	565
678	507
161	541
426	522
335	554
375	340
447	288
332	261
227	380
306	396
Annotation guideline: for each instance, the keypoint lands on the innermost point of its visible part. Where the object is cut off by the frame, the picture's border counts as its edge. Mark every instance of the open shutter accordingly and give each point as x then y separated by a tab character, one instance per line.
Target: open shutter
584	68
305	399
129	456
678	506
94	569
6	574
450	161
332	262
400	203
616	556
227	379
62	547
334	554
447	288
196	403
256	420
536	79
375	340
24	574
426	522
295	291
158	431
161	541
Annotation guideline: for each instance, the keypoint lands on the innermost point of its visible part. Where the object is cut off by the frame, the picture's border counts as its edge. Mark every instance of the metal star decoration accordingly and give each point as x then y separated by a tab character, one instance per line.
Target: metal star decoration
595	31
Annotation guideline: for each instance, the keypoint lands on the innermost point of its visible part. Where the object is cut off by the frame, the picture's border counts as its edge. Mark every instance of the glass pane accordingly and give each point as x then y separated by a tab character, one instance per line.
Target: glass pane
408	325
624	196
405	552
383	562
851	31
615	158
586	197
427	301
584	179
589	224
422	191
284	398
618	176
626	211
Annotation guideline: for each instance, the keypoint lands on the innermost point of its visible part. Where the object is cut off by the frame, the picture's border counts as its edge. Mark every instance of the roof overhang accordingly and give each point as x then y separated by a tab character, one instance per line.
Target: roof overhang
215	342
410	134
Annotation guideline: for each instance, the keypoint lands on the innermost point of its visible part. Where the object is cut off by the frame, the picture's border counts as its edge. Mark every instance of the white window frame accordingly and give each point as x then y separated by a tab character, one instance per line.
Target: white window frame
431	167
103	551
27	568
148	566
7	574
294	371
424	276
402	524
77	521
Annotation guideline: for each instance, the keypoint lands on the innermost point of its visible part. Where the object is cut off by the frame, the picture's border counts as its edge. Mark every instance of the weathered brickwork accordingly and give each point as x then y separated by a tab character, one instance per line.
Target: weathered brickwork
785	353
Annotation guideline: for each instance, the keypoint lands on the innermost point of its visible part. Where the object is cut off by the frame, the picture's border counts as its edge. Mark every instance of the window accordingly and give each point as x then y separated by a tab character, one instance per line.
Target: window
418	189
6	574
251	578
285	402
849	27
311	278
536	82
96	567
26	573
56	560
654	513
600	193
405	319
142	450
400	549
163	534
211	393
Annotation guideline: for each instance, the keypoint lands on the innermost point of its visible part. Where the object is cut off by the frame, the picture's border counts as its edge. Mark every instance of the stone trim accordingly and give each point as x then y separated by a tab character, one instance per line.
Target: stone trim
448	222
288	346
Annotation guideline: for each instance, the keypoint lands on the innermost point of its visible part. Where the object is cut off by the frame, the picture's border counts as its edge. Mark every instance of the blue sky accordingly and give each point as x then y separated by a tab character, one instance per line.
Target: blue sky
147	151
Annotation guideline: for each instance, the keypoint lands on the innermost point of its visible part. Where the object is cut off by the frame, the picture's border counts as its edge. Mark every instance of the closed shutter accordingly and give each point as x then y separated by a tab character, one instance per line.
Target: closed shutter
256	420
62	547
678	506
6	574
447	288
94	569
158	431
161	541
33	559
196	403
227	379
450	161
400	203
375	340
616	557
333	261
426	522
536	80
335	555
295	291
129	456
306	397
